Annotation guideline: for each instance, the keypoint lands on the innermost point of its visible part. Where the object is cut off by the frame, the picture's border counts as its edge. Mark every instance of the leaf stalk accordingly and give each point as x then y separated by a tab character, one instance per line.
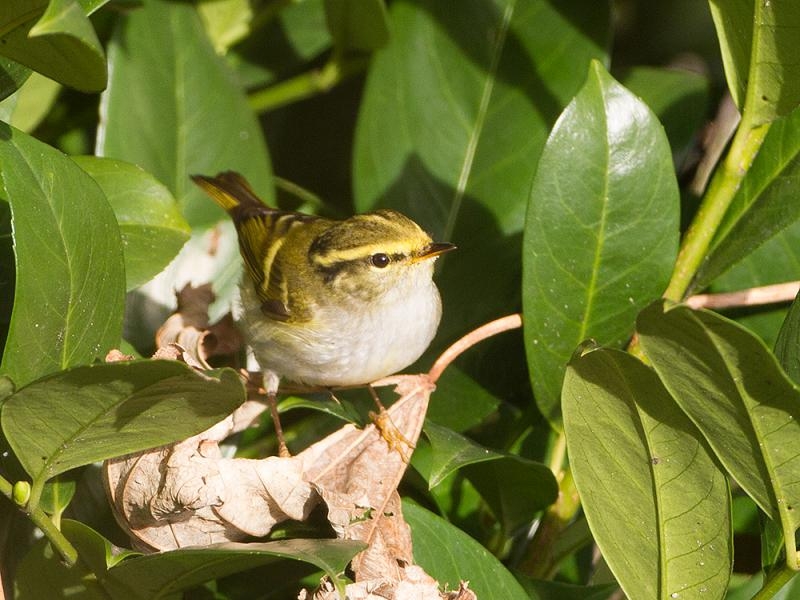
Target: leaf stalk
308	84
40	518
724	186
776	580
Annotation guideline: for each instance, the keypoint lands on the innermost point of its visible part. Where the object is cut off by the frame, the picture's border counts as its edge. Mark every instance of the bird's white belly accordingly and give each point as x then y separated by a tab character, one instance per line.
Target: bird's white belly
344	346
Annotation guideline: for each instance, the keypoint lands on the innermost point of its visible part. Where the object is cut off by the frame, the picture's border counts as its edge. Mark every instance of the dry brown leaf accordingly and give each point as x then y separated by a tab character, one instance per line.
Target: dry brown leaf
115	355
189	494
356	473
188	327
415	584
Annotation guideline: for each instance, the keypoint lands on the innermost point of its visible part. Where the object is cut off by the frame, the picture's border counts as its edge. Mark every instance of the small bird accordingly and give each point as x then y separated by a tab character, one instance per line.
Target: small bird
326	302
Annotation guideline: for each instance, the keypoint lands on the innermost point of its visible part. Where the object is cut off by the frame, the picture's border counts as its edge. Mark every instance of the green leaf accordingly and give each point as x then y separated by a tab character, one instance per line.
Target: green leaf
450	556
602	230
188	116
787	347
472	94
513	487
101	411
6	388
56	39
657	504
30	104
70	278
159	575
734	390
460	402
357	25
152	228
764	204
303	35
43	574
12	76
344	411
758	40
94	550
551	590
227	22
57	494
451	451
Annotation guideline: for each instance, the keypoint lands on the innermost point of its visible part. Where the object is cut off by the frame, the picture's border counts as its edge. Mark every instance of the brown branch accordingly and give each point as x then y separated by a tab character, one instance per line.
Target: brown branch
757	296
473	337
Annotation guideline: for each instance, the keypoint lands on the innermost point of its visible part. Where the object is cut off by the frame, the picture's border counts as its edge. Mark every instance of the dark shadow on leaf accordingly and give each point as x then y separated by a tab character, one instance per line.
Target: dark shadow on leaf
474	27
12	76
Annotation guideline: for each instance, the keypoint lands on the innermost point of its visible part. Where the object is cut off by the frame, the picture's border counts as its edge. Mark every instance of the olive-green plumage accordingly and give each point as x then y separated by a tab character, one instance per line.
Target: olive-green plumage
331	302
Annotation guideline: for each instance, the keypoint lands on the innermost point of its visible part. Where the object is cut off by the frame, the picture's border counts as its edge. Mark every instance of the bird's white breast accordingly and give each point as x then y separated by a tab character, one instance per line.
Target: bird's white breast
351	343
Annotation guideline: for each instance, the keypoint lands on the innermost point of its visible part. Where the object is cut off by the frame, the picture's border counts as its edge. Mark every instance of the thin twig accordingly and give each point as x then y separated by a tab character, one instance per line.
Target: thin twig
473	337
756	296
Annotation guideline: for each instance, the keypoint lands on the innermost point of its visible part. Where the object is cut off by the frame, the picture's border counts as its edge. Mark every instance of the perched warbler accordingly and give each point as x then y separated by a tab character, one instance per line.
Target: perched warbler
326	302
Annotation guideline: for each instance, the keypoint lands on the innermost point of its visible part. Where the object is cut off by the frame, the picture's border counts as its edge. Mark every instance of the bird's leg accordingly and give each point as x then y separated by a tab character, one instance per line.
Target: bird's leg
271	381
389	431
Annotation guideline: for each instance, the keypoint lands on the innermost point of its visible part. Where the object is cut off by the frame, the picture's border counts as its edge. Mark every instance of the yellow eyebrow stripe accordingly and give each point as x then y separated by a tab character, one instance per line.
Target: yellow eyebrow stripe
359	252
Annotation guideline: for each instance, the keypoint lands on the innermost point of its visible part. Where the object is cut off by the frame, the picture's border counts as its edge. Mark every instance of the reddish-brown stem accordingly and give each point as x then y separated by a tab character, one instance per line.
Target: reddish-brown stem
766	294
473	337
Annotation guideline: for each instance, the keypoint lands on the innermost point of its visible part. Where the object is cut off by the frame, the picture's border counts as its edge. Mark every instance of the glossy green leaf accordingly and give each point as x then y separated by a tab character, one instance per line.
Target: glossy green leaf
734	390
602	230
764	204
56	39
471	94
152	228
187	116
657	504
70	278
758	40
97	412
450	556
159	575
357	25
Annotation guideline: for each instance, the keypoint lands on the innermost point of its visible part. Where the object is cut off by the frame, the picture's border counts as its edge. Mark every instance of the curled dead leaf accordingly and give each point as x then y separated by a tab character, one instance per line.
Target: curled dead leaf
414	583
189	328
115	355
189	494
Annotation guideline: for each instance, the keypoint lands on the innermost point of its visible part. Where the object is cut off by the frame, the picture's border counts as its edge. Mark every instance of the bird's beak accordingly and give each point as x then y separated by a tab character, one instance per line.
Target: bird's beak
433	250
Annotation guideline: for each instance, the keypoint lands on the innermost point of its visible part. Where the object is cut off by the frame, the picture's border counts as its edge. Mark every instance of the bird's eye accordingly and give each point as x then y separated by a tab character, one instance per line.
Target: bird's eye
379	260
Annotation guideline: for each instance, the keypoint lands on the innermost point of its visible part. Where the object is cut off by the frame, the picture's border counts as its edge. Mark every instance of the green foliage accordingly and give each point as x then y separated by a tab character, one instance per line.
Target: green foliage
550	143
586	212
668	534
